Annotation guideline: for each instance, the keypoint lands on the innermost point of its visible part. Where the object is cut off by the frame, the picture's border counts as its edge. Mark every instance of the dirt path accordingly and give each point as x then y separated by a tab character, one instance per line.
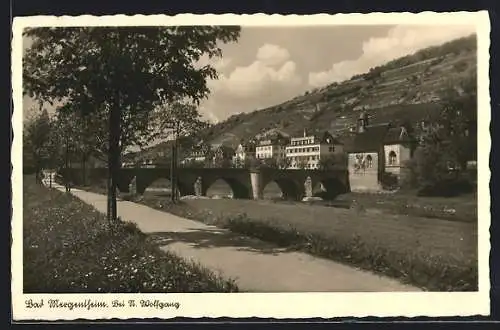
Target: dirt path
255	265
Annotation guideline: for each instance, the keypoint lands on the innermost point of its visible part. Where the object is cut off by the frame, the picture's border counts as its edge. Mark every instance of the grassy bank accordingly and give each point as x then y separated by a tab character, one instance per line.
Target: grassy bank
69	246
460	208
433	254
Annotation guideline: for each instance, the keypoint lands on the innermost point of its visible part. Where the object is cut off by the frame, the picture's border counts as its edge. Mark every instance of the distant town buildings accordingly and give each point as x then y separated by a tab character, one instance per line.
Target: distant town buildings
272	147
305	152
199	154
244	153
373	155
223	156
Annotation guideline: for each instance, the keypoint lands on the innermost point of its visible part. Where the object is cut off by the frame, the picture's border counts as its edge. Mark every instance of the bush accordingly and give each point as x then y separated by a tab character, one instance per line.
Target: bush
447	188
389	181
69	247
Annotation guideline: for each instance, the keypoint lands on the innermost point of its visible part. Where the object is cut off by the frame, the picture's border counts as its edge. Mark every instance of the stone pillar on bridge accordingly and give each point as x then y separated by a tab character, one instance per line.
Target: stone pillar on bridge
198	191
256	180
132	187
308	188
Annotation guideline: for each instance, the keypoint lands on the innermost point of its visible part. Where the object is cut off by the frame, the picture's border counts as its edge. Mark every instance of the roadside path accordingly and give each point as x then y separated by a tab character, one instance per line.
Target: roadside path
255	265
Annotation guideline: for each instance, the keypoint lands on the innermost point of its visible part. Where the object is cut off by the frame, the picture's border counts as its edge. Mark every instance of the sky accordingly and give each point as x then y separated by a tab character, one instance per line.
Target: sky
270	65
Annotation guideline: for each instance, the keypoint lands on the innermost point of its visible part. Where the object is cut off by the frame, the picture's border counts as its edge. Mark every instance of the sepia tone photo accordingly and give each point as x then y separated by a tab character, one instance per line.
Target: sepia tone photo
326	158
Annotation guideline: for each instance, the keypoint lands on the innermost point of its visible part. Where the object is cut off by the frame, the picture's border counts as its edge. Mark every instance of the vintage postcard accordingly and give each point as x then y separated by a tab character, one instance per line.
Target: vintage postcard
250	166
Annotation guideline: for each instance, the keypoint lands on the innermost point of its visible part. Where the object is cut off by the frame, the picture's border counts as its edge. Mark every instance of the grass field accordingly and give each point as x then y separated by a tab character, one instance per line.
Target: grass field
395	232
433	254
462	208
68	246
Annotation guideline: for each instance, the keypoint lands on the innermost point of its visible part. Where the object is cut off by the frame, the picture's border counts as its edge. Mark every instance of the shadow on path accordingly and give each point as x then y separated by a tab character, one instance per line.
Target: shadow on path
217	237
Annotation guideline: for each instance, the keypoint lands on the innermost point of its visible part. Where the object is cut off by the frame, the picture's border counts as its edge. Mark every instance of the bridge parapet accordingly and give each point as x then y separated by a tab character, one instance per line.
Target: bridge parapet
245	183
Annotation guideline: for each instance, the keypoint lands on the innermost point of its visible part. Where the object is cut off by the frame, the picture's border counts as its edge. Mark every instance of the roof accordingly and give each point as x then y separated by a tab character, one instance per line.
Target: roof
376	136
370	140
327	137
274	140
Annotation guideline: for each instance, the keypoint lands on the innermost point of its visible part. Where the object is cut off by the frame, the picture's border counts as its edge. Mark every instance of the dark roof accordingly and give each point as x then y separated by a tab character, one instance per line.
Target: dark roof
274	140
375	136
323	138
370	140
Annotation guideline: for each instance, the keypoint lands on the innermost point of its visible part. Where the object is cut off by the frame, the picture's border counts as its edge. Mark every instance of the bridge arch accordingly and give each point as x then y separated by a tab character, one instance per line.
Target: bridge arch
329	188
149	179
239	189
160	185
290	188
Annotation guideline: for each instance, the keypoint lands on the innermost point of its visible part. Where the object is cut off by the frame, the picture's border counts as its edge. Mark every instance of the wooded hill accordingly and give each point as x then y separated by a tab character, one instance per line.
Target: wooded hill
406	89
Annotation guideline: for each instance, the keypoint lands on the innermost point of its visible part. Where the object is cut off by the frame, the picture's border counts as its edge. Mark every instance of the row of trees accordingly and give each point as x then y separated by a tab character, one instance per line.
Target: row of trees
448	143
120	83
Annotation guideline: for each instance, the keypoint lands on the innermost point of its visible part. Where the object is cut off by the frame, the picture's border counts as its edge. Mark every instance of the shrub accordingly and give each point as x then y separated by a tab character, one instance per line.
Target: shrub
409	177
389	181
447	188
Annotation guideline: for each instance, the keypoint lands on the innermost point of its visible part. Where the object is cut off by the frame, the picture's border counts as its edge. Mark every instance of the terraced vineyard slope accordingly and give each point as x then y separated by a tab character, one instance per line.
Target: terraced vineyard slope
405	89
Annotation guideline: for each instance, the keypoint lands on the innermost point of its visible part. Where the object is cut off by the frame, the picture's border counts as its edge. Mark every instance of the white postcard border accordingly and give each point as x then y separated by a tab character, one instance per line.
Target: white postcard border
266	305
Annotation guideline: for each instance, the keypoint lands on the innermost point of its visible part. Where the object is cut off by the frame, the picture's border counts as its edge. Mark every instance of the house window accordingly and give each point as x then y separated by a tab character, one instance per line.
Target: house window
369	161
392	158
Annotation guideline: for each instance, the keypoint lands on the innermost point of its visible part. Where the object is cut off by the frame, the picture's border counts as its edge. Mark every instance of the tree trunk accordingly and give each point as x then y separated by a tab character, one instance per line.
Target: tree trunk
113	159
173	173
84	169
66	165
114	139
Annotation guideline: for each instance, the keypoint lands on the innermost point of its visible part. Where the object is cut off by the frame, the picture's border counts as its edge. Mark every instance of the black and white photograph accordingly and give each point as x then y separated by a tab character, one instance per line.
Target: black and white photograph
241	166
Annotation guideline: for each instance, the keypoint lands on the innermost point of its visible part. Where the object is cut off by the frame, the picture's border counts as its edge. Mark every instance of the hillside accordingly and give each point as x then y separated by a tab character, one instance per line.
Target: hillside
405	89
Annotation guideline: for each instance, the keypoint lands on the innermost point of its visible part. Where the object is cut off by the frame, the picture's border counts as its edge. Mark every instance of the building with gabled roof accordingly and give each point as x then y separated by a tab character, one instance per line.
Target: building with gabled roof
374	150
244	152
306	152
272	146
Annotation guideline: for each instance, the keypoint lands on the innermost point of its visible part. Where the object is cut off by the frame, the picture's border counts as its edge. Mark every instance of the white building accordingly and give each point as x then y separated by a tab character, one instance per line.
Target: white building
243	153
272	147
305	152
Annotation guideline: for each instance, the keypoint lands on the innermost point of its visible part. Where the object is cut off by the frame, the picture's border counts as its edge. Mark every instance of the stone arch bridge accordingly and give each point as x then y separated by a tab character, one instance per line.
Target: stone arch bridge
244	183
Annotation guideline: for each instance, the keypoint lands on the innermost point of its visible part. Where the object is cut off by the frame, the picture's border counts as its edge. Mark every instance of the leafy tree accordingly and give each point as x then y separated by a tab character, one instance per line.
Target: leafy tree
84	136
280	162
183	119
222	162
447	144
332	162
240	163
283	162
269	162
38	141
123	74
302	163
